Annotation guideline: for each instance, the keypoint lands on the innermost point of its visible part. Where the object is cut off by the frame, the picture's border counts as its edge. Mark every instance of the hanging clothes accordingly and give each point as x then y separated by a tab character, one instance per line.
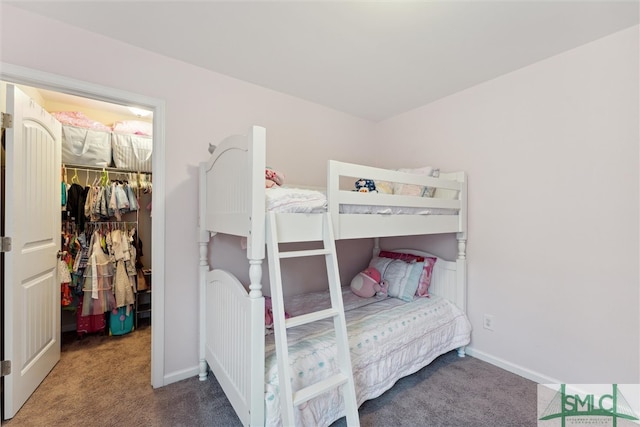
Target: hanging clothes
120	254
76	197
64	278
133	200
98	279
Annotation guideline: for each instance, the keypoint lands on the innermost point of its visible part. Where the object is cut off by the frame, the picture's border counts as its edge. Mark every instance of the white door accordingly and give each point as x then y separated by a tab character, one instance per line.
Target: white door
32	220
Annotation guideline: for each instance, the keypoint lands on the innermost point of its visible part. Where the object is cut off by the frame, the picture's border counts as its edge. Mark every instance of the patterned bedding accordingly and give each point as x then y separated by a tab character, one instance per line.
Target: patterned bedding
389	339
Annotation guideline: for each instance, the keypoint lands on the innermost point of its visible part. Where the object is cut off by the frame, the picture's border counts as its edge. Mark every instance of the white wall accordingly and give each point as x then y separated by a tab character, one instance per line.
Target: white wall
551	152
201	108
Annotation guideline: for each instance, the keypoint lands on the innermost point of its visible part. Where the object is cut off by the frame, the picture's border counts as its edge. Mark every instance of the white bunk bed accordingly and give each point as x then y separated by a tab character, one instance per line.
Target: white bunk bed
232	320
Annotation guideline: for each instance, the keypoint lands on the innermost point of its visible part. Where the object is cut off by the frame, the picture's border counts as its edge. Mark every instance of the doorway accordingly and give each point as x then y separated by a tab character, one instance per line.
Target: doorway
46	81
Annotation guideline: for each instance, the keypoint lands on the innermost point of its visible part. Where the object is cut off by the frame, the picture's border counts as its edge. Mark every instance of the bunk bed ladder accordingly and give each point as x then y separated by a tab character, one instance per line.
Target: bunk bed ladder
344	378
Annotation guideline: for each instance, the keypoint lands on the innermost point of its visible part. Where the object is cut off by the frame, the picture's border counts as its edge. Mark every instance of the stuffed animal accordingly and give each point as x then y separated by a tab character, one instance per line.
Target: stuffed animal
366	186
273	178
268	313
368	283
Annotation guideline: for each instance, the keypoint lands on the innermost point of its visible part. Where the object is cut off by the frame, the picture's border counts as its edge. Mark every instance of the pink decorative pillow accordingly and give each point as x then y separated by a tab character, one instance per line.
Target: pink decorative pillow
425	277
427	271
401	256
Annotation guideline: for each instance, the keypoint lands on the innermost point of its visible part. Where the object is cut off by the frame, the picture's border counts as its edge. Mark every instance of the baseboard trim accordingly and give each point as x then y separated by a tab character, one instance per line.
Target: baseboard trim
478	354
184	374
534	376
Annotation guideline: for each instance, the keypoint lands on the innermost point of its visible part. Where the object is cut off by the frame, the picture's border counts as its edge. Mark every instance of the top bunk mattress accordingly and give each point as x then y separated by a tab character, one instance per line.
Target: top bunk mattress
299	200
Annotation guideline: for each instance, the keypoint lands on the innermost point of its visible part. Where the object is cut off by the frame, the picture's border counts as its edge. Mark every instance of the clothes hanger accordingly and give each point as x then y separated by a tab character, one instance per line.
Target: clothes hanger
105	178
74	178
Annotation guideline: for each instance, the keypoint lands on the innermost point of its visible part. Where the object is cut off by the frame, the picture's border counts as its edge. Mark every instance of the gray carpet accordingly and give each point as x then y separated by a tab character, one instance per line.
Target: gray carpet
454	391
105	381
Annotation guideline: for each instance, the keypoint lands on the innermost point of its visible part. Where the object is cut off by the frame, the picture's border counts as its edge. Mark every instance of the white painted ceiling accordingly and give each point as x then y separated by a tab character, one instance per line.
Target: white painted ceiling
370	59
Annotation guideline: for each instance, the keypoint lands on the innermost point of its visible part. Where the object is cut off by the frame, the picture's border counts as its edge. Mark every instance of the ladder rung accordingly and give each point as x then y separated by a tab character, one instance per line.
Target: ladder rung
308	393
310	317
297	254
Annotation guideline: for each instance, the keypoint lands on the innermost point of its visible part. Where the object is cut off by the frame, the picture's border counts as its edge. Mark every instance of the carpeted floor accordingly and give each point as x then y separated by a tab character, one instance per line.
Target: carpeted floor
105	381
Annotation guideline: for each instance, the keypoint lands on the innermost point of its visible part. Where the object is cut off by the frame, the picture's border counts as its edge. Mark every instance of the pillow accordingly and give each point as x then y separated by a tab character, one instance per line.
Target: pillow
411	290
400	255
425	278
430	191
397	274
414	189
445	193
384	187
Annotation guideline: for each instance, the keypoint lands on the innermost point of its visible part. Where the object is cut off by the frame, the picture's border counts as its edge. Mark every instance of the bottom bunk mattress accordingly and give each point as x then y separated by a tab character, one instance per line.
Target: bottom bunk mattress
388	338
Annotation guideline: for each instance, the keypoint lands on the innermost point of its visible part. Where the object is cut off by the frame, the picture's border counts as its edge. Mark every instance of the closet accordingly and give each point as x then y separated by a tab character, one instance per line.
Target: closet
31	216
93	166
111	205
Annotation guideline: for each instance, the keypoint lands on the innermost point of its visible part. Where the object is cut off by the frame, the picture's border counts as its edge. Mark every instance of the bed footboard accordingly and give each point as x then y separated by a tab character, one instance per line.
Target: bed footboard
234	344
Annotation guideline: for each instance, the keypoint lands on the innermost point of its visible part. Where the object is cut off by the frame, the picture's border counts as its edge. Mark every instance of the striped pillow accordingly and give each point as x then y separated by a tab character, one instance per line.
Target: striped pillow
427	270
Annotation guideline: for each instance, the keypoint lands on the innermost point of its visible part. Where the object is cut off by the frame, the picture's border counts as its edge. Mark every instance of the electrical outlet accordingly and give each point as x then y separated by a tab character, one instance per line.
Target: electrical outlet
489	322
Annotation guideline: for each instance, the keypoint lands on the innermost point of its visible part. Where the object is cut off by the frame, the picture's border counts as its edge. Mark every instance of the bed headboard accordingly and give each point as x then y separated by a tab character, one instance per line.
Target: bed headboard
232	199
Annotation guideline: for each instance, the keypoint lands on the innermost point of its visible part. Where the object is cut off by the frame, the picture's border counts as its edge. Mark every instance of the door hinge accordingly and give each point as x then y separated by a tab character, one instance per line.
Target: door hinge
6	120
5	244
5	368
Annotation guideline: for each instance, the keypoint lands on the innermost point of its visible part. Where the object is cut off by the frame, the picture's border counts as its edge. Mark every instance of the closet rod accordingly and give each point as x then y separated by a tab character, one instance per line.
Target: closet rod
85	168
111	222
91	225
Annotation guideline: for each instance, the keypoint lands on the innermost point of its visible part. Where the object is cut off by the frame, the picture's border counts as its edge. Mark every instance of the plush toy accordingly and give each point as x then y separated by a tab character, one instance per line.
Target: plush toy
368	283
273	178
366	186
268	313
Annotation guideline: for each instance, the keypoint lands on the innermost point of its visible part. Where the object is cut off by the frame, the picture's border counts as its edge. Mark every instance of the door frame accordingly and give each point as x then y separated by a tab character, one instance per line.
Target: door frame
39	79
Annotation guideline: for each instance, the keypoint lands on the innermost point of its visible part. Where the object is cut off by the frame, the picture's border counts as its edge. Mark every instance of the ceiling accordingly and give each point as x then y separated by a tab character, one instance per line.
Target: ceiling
370	59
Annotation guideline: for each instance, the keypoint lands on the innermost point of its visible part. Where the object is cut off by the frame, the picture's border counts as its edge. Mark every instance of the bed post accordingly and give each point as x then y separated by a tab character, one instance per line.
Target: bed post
376	246
203	244
461	261
461	278
202	272
462	244
257	156
255	278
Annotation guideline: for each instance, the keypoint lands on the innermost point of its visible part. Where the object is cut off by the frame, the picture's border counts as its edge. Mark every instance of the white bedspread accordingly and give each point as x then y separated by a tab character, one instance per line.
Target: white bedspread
295	200
389	339
298	200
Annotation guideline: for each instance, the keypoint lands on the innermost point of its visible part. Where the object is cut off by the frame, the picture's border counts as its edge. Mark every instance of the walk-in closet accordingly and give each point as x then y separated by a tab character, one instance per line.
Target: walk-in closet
106	190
